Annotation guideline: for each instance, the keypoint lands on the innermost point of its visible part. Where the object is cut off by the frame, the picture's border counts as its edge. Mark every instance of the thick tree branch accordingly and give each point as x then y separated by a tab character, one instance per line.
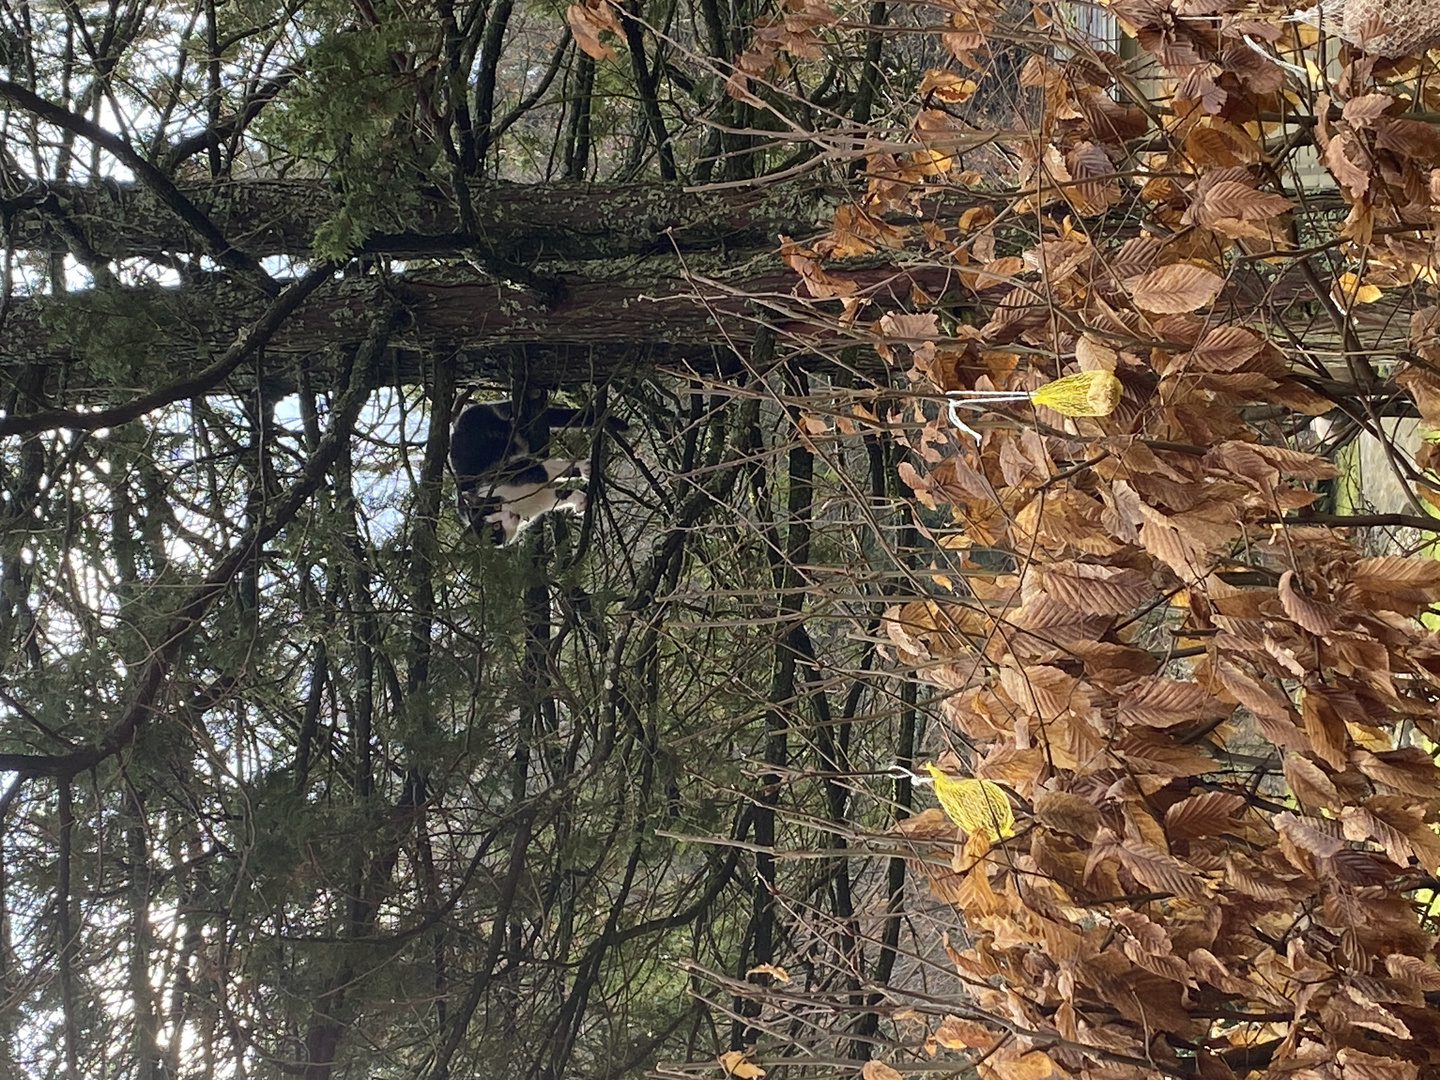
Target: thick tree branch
255	338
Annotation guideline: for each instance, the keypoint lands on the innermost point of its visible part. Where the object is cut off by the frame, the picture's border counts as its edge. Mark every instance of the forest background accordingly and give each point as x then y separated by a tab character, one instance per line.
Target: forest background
300	780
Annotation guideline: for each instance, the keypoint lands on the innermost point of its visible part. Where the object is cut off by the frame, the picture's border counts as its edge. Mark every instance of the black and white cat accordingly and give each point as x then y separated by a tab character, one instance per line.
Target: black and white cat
502	487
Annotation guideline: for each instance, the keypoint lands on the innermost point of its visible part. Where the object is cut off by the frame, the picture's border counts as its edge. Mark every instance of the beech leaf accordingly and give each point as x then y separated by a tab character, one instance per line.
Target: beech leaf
1313	616
1176	289
1396	573
1224	348
1099	590
925	327
586	23
1309	783
1160	871
1064	811
1163	703
1413	138
734	1064
1035	1065
958	1033
1203	814
1358	1065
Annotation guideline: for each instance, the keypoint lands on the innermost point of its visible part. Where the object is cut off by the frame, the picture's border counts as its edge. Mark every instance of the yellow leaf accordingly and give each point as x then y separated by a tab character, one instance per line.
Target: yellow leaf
878	1070
734	1064
1086	393
977	806
1035	1065
1348	290
947	86
770	969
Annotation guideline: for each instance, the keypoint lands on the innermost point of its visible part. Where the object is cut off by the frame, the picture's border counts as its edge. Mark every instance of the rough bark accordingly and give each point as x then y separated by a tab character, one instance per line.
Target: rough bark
649	315
525	223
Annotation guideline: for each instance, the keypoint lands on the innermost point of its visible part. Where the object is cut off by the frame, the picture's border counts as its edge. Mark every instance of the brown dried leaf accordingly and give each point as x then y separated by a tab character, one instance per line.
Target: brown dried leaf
1254	882
924	327
920	485
1413	138
1349	162
1135	257
1087	161
1161	536
931	831
1237	199
1160	871
1163	703
1314	616
947	86
1358	1065
734	1064
1233	458
1401	814
1010	1064
1224	348
1310	784
1099	590
1176	289
817	282
930	824
958	1033
1092	354
1260	698
1221	144
587	21
1066	812
1296	463
1319	836
1149	753
1396	573
1207	967
1424	387
878	1070
1324	711
1350	1007
1012	766
1413	970
1108	119
1204	814
1360	824
1060	623
1409	771
1057	260
1109	665
1147	944
1046	690
1365	110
